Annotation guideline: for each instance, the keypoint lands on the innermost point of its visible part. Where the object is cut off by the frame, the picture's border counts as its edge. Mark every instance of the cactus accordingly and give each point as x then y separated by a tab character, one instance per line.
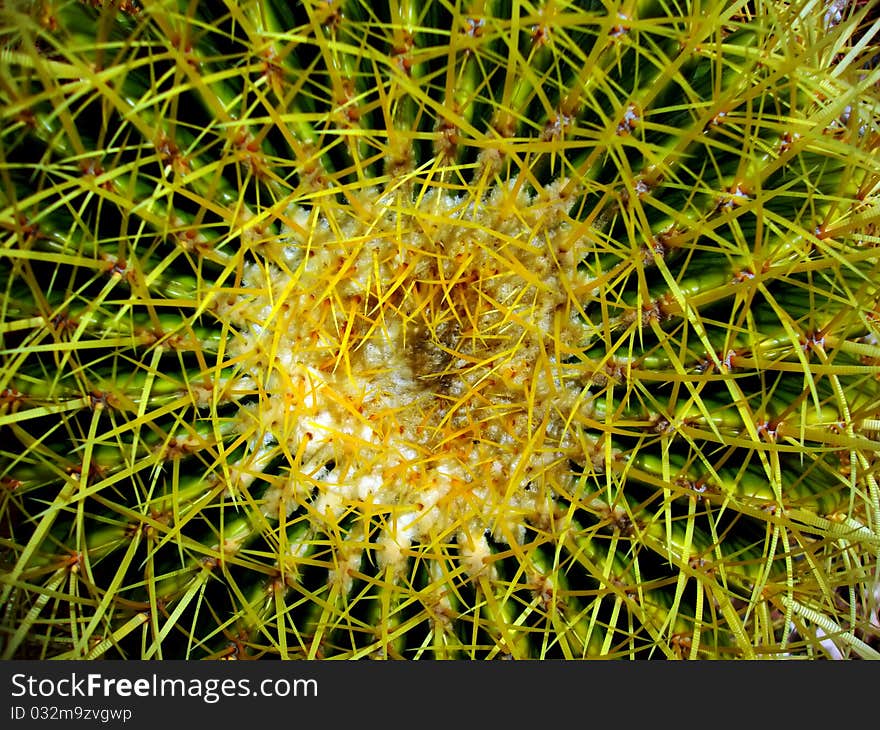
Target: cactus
439	330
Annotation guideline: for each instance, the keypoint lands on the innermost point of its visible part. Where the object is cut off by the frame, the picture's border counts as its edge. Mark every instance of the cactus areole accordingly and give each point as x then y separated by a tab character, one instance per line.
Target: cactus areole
439	330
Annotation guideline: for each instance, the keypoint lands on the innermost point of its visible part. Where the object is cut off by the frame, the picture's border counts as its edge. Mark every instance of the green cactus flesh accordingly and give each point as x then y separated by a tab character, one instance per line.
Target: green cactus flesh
439	330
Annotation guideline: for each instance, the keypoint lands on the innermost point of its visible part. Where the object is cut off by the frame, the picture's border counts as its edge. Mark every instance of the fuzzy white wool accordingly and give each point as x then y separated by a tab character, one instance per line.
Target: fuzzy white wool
422	366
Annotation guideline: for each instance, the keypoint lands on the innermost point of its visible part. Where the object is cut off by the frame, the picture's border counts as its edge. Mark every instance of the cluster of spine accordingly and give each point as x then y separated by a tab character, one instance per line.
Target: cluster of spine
449	330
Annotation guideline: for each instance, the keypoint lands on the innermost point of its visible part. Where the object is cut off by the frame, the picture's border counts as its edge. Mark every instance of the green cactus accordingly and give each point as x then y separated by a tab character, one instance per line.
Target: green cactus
439	330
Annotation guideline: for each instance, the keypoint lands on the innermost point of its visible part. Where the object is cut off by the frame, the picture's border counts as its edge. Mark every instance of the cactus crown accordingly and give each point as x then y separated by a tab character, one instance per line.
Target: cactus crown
529	329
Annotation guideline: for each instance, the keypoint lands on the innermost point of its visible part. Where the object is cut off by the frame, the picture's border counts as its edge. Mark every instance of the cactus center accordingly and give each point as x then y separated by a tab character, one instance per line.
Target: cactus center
417	358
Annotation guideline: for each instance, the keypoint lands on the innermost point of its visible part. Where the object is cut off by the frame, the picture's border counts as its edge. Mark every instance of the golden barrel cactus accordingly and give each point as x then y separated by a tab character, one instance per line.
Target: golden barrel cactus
339	329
